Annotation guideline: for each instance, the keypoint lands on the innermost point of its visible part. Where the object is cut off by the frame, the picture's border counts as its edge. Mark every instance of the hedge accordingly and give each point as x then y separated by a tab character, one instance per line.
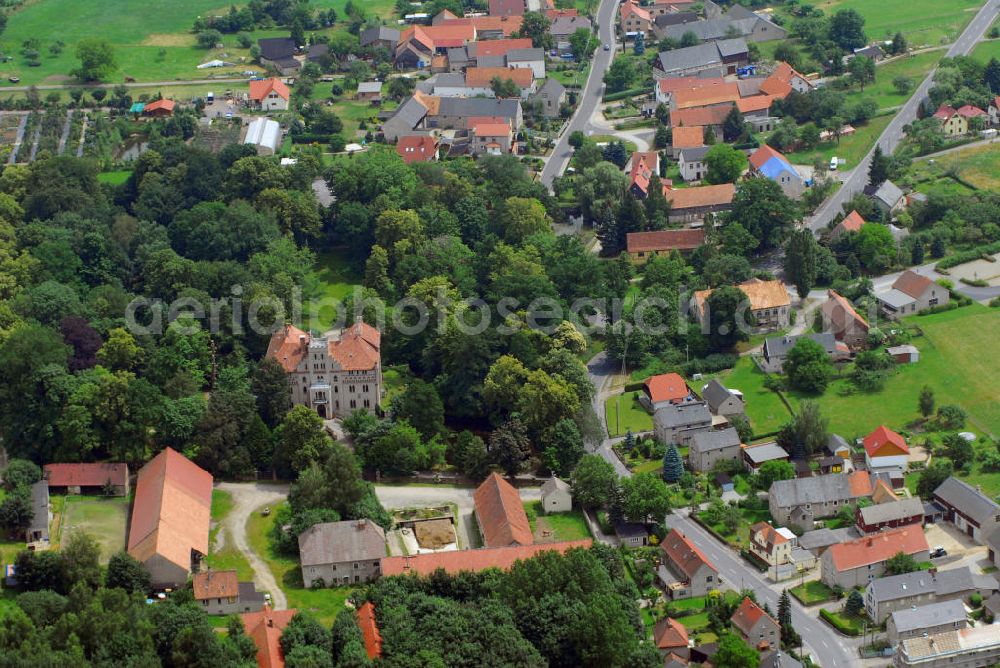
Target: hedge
621	95
834	621
978	253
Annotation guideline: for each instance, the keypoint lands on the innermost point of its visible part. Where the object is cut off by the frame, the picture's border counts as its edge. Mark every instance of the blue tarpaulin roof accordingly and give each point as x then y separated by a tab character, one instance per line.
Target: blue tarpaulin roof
136	108
775	166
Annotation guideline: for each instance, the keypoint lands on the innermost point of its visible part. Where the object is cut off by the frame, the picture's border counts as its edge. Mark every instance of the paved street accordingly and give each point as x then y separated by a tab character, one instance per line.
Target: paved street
593	91
893	133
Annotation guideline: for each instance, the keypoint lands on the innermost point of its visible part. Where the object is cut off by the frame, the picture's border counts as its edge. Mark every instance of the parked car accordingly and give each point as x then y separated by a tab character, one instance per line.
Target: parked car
938	552
607	47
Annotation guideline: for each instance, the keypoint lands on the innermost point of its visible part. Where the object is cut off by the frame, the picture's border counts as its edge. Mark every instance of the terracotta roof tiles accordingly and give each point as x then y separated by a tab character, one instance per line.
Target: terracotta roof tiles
369	630
215	584
878	548
684	554
699	196
86	474
876	443
262	88
501	514
265	628
688	136
666	387
664	240
473	560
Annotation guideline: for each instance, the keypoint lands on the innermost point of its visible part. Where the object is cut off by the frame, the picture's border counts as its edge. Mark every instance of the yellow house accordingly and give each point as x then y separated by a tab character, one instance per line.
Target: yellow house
773	546
952	123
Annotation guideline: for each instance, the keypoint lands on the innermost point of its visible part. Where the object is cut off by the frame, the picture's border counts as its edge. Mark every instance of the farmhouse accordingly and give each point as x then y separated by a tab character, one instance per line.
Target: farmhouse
758	628
643	245
722	56
926	620
688	205
968	508
801	501
892	515
686	137
769	303
711	447
900	592
678	423
221	593
721	400
473	560
858	562
887	197
910	293
333	553
686	572
500	514
269	94
170	518
840	318
707	117
691	162
87	478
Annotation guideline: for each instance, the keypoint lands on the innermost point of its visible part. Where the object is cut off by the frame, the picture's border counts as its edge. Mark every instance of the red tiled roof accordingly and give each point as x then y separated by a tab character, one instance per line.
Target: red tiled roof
172	510
684	554
629	8
287	346
86	475
473	560
779	83
698	196
669	634
554	14
416	148
501	514
369	630
842	314
262	88
861	484
704	96
673	84
754	103
155	105
714	115
770	536
508	25
498	47
666	386
944	112
912	283
483	76
356	350
748	614
642	173
265	628
215	584
968	111
852	222
878	548
882	437
688	136
763	154
491	129
664	240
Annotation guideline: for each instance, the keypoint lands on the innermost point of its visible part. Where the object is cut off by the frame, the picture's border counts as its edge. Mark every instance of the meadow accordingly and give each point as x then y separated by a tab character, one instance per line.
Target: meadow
914	68
922	22
852	148
978	166
101	517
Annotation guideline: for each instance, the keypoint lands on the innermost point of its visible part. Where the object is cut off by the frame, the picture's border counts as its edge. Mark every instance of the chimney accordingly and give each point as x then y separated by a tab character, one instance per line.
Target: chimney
270	622
362	523
302	341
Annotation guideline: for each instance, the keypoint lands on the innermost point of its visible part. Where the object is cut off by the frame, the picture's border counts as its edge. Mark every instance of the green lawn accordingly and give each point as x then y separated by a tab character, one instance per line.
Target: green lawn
812	592
765	410
564	526
624	412
394	380
977	165
333	279
101	517
959	359
883	92
852	149
740	537
986	50
115	178
923	22
228	557
323	603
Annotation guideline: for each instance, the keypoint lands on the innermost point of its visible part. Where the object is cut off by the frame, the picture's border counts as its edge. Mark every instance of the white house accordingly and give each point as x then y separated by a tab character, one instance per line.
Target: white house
692	163
534	59
885	449
556	496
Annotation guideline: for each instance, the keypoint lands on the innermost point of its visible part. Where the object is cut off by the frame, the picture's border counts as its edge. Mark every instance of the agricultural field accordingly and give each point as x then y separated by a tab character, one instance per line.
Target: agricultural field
923	22
852	148
102	517
153	42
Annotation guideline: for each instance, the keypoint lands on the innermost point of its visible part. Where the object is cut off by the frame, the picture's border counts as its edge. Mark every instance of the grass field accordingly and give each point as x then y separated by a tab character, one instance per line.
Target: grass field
977	165
228	557
811	593
152	41
324	604
883	92
741	536
115	178
987	49
102	517
333	279
923	22
765	409
852	149
555	526
624	412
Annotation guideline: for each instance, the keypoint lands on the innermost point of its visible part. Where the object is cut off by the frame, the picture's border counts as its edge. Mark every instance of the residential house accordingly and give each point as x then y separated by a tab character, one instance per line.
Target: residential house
909	294
643	167
968	508
500	514
769	303
461	113
687	137
721	400
926	620
723	56
661	22
528	58
784	79
670	637
170	520
563	27
269	94
631	534
778	659
506	7
556	496
490	136
644	245
334	374
888	197
161	108
755	456
885	449
263	134
37	533
952	124
87	478
487	27
279	53
265	628
691	162
705	94
666	88
369	630
709	448
756	110
666	389
634	19
457	561
838	446
776	349
379	37
707	117
843	321
496	47
479	80
993	545
801	501
772	546
901	592
686	572
745	24
964	648
417	148
759	629
551	97
679	423
221	593
369	91
882	516
904	354
852	222
858	562
332	553
968	112
688	205
771	164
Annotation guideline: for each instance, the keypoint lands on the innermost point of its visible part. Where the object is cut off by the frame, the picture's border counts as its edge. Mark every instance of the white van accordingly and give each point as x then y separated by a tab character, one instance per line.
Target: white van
833	164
